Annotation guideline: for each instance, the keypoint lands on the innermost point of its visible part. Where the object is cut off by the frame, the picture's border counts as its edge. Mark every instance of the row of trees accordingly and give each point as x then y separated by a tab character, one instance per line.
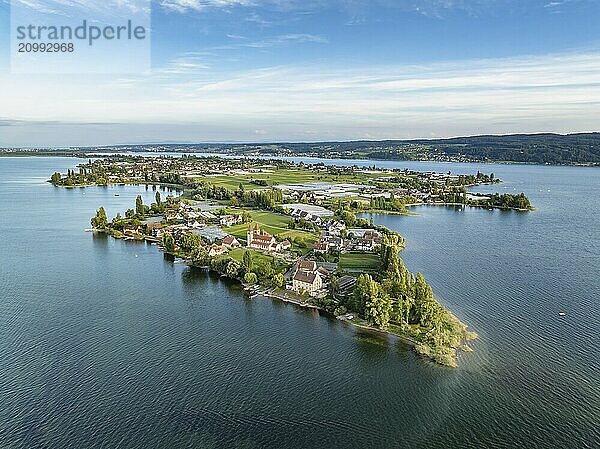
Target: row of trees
251	269
395	296
508	201
391	204
133	216
262	199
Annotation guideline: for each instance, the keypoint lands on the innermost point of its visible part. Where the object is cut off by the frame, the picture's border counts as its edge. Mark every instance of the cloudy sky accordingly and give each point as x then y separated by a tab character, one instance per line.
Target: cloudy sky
306	70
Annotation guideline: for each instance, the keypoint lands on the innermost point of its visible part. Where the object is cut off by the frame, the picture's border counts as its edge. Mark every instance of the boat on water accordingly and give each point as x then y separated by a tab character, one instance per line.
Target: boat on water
116	194
562	313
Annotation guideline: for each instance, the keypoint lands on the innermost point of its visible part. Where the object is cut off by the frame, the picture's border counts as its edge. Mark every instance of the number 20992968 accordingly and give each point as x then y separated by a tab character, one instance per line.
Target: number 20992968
42	47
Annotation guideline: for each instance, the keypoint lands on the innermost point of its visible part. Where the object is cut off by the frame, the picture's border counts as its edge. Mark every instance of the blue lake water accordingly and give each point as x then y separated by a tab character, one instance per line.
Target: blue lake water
107	344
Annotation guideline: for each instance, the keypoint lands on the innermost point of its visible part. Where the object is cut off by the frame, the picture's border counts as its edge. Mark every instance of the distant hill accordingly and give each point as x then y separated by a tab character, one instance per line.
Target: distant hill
553	149
533	148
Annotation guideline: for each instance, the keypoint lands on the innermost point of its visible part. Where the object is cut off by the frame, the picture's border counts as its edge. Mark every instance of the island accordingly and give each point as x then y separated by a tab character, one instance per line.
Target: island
296	232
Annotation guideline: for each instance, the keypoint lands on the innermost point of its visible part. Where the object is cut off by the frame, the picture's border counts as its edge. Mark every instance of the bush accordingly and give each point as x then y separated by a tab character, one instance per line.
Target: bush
341	310
250	278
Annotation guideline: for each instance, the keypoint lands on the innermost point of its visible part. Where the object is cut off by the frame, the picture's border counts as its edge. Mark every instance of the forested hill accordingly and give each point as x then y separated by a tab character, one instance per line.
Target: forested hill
528	148
535	148
555	149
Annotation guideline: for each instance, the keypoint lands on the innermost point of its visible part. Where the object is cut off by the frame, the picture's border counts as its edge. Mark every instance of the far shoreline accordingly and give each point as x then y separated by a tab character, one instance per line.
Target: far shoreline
93	155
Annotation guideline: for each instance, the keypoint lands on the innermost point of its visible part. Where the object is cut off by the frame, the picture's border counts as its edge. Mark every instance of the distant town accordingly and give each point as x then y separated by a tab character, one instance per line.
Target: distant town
301	233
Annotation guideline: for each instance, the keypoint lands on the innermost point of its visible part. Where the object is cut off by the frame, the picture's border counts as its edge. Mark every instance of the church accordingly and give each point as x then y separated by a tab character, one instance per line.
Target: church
261	240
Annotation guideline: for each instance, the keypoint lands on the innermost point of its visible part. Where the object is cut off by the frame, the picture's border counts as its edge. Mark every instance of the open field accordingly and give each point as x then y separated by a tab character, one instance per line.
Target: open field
278	265
287	176
275	224
359	261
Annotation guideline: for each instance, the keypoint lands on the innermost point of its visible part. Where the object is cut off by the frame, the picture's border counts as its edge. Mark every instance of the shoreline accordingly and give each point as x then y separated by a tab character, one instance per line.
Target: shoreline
253	290
343	158
477	206
405	307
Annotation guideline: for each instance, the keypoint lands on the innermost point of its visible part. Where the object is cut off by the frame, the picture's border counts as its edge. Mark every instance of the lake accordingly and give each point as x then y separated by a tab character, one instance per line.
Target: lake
108	344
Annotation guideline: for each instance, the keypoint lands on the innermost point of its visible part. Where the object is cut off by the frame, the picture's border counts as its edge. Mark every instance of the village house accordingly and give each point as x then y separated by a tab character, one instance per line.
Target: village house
334	227
231	242
216	250
309	282
131	230
298	214
154	229
307	278
230	220
328	243
368	242
322	246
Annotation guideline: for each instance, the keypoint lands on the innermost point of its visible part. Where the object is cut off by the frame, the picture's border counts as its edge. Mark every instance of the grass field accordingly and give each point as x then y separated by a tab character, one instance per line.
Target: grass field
279	265
275	224
279	177
359	261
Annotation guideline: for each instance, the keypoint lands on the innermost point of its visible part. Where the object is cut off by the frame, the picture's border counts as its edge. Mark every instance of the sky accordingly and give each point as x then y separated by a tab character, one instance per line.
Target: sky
314	70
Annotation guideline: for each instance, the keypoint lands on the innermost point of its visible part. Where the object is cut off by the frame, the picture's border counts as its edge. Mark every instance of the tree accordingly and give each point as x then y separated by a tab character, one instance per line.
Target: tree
99	221
246	217
189	242
247	261
56	177
168	242
365	288
378	308
233	268
139	206
334	286
158	199
200	257
278	280
250	278
264	270
427	311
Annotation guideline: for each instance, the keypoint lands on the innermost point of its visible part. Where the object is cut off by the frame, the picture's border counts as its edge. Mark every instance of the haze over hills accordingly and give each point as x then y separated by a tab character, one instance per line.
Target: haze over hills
545	148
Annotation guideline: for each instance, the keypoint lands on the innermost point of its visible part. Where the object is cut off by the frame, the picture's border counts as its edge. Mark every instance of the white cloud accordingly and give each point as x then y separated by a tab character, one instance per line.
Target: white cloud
527	94
65	7
197	5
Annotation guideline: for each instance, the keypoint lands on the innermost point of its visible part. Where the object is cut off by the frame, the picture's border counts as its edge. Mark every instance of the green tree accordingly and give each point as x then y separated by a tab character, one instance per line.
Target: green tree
365	288
247	261
378	308
200	257
139	206
250	278
99	221
168	242
189	242
56	177
246	217
233	268
334	286
427	311
278	280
